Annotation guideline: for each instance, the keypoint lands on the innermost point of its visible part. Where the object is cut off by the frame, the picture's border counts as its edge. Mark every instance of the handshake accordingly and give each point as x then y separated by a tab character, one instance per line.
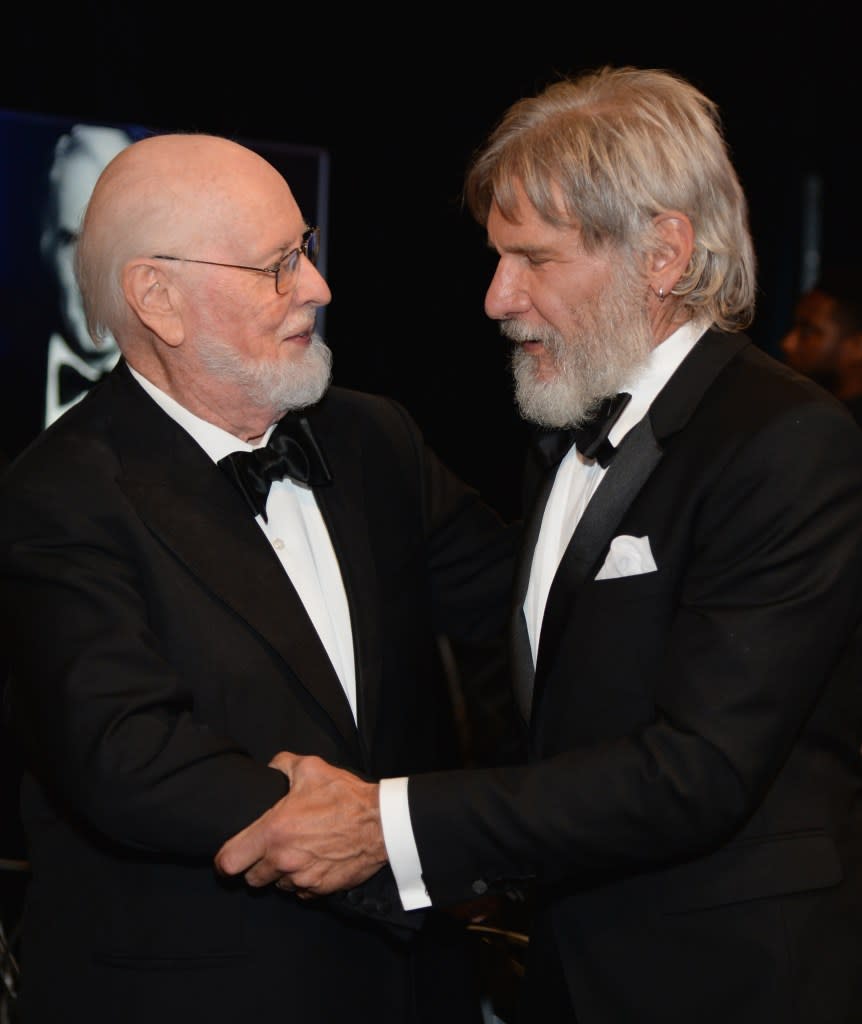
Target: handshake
324	836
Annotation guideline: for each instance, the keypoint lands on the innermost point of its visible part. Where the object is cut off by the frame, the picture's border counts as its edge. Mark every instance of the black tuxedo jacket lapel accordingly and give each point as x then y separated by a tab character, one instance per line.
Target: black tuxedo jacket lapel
345	506
639	453
195	510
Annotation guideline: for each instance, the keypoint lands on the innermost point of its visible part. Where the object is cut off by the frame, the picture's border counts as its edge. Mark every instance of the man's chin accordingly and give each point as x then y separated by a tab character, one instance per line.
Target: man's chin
542	405
551	400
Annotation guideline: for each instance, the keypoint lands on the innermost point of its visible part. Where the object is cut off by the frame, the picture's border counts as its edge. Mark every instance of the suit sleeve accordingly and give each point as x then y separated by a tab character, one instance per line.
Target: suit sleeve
106	719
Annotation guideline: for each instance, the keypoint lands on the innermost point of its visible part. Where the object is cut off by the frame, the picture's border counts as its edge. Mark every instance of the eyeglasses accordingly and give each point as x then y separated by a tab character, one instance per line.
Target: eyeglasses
285	271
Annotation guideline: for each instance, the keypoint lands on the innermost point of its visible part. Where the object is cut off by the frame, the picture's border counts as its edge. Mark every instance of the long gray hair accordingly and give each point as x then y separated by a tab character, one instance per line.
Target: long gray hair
611	149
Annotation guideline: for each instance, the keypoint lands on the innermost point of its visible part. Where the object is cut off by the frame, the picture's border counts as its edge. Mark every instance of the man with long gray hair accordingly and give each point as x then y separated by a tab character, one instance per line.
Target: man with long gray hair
686	616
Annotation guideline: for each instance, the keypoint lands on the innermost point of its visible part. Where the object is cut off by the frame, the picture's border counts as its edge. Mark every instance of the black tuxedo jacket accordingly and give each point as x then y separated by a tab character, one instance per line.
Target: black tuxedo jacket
160	657
691	818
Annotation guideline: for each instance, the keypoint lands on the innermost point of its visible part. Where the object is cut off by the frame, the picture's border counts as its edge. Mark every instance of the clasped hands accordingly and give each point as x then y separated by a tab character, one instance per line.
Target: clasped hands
324	835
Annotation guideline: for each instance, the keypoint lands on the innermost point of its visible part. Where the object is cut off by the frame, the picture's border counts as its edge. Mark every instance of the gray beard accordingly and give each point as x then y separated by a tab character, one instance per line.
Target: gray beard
602	352
276	383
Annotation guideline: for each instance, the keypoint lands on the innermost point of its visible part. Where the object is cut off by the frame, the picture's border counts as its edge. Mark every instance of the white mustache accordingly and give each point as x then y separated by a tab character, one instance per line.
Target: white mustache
520	332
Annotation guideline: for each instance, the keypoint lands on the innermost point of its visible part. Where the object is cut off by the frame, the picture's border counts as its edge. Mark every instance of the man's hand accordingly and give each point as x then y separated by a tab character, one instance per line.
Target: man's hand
323	836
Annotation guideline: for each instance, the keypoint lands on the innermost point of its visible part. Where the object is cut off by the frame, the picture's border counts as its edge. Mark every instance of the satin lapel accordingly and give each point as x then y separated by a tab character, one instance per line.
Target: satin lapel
346	509
638	455
523	671
191	506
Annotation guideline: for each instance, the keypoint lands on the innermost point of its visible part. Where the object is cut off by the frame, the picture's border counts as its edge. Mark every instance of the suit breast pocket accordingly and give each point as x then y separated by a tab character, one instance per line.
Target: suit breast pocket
631	588
597	674
630	615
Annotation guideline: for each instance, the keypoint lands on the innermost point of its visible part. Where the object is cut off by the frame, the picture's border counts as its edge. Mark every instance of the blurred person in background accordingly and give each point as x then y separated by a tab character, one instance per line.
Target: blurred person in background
825	341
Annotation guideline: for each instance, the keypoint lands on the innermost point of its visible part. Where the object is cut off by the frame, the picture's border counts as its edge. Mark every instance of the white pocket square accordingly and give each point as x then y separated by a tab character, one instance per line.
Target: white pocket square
628	556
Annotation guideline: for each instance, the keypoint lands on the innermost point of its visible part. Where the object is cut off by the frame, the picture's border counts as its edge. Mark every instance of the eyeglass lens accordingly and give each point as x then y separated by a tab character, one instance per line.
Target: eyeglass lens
289	266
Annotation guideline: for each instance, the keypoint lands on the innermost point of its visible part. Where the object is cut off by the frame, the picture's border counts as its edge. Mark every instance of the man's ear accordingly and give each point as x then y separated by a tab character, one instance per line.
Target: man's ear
672	250
153	299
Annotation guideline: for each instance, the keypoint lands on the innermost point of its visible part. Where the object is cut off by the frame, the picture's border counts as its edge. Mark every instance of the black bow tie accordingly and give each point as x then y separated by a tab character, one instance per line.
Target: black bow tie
590	438
290	451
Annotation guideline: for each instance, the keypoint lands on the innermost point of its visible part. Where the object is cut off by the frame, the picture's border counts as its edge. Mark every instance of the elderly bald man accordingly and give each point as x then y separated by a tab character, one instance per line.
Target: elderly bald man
213	557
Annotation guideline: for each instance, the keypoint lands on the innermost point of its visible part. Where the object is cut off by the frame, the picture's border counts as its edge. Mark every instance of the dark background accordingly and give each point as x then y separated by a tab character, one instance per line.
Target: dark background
400	100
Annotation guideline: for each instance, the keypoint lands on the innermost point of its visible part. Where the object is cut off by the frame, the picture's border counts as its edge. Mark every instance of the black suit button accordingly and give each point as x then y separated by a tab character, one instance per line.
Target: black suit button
353	897
479	887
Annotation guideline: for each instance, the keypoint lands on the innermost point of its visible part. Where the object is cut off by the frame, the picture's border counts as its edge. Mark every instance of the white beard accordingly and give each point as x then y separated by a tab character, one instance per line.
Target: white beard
274	383
602	351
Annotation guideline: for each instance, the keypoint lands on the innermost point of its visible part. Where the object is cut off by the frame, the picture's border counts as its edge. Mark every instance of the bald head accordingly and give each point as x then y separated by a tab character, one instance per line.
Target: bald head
178	194
179	258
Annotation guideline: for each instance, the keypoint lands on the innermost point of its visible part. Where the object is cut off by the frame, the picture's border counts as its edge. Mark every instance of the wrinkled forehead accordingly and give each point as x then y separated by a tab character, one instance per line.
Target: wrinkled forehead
179	193
259	212
517	206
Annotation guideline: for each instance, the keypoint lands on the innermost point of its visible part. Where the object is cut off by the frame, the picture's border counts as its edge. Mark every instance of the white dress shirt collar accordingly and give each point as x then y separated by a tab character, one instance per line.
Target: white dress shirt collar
215	442
659	368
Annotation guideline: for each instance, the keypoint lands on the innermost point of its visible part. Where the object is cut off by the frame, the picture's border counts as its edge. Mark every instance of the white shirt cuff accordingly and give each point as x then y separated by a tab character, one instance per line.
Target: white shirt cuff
400	844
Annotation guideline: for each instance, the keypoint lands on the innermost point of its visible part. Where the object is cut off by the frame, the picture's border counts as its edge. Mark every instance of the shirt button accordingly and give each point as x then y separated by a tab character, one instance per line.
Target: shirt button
278	544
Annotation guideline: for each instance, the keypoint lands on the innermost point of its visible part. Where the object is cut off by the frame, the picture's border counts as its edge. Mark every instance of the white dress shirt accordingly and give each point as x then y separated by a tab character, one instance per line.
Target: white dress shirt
577	478
575	483
298	536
